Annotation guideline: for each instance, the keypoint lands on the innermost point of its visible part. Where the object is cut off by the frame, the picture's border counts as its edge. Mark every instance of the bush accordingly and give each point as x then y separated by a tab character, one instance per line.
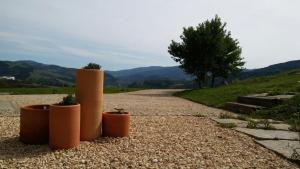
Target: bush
68	100
92	66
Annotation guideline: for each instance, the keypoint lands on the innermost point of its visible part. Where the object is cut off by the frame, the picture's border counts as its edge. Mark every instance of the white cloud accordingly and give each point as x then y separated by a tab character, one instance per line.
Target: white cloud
140	31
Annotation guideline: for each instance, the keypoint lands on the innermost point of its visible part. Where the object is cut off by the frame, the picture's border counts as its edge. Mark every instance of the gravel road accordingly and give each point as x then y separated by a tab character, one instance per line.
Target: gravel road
166	132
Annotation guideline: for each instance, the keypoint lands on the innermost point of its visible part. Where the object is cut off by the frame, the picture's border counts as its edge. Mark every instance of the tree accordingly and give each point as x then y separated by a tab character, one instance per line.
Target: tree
207	49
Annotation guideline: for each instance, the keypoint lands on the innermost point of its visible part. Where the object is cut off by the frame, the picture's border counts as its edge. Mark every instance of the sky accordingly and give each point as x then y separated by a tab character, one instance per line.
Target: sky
134	33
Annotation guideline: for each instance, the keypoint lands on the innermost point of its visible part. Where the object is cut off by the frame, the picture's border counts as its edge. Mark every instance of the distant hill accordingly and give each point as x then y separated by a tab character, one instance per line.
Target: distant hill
172	74
34	73
30	72
270	70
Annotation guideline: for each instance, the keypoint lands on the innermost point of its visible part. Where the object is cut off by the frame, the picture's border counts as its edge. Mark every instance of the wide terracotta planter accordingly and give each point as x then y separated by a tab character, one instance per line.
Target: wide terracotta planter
64	126
115	125
89	93
34	124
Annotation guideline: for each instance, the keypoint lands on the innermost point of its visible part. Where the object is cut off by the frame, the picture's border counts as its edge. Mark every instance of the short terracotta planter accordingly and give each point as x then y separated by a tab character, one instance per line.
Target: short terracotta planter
64	126
115	124
89	93
34	124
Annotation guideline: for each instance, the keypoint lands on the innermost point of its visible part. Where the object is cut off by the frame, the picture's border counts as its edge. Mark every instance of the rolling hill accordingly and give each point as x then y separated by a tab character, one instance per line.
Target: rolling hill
30	72
33	73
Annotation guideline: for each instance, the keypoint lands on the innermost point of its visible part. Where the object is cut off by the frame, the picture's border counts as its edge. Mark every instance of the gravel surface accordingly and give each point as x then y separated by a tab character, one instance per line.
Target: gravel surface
155	141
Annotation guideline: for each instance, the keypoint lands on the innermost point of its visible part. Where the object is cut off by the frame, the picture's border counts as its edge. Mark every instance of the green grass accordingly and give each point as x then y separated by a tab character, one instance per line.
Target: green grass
61	90
217	97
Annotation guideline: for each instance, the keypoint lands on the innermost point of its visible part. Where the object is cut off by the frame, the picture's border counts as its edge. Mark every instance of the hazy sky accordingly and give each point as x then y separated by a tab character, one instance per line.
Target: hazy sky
134	33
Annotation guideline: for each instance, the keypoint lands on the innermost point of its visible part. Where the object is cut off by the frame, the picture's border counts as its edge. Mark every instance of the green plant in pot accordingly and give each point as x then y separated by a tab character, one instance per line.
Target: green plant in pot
64	124
92	66
116	123
68	100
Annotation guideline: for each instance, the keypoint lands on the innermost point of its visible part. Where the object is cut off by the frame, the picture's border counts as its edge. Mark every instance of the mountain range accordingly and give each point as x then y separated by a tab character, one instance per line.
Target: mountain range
38	74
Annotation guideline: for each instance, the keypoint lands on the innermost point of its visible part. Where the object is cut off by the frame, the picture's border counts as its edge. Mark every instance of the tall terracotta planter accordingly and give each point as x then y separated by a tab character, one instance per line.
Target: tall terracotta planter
34	124
89	93
115	124
64	126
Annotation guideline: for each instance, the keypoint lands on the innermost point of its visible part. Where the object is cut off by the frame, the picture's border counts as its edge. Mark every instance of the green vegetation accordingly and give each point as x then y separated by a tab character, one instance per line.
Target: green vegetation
217	97
68	100
61	90
288	111
228	125
208	49
252	124
92	66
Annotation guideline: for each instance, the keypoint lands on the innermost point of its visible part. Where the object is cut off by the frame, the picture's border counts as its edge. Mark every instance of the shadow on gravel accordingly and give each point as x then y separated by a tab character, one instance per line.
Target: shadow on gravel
13	148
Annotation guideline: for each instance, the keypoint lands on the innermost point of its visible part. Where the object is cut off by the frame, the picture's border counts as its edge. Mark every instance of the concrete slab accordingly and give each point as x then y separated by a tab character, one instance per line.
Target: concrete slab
241	108
264	100
281	126
286	148
261	134
239	123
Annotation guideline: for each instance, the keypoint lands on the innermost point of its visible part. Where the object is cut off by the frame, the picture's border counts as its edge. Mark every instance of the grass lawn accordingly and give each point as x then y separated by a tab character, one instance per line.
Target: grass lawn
217	97
61	90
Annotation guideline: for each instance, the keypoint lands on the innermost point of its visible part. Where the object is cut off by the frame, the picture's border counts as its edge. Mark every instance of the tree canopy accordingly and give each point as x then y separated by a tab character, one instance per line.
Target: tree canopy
207	49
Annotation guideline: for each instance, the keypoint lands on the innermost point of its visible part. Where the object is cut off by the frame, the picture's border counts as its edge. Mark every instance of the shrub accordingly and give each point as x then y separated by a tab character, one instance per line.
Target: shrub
68	100
92	66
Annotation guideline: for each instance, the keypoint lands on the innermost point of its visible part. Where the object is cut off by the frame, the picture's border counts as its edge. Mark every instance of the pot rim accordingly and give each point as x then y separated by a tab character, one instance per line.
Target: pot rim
91	70
31	107
116	114
57	105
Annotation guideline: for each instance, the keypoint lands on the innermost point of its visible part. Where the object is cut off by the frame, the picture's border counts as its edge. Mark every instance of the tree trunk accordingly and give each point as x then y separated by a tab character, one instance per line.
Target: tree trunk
199	81
213	81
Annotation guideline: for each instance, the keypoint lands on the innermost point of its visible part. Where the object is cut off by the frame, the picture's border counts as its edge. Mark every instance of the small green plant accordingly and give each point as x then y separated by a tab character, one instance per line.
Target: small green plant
228	125
92	66
68	100
266	124
119	111
226	115
252	124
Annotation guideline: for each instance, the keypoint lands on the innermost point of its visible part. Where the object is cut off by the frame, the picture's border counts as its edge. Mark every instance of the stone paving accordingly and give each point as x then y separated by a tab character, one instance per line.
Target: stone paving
279	139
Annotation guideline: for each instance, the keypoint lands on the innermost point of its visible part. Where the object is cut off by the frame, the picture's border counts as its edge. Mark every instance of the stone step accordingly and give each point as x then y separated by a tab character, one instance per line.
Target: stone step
265	101
242	108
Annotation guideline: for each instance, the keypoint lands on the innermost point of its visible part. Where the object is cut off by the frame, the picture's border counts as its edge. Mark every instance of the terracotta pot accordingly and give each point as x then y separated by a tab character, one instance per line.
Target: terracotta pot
116	125
34	124
64	126
89	93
